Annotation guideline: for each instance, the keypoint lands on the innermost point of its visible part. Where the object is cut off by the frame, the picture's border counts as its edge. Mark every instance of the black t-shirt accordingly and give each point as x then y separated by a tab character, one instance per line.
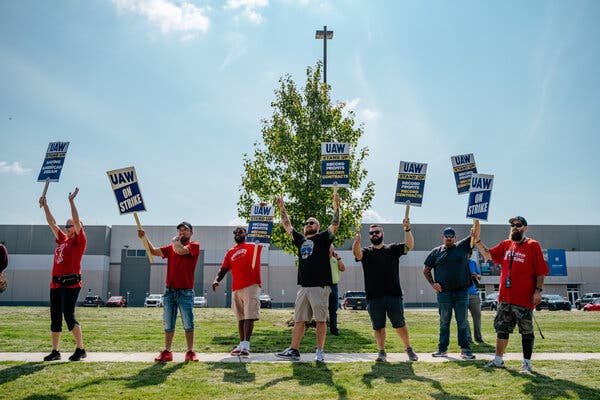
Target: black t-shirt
381	268
313	258
3	257
451	265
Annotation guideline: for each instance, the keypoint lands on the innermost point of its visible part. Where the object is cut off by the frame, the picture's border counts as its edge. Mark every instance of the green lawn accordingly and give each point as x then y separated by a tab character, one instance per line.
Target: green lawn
137	329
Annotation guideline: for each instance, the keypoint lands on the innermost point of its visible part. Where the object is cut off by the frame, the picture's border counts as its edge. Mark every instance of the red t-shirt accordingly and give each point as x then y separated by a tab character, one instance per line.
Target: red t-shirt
238	259
528	264
180	269
67	256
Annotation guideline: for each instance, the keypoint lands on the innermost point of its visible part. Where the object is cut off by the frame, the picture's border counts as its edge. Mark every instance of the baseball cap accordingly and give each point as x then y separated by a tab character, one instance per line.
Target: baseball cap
449	231
185	224
518	218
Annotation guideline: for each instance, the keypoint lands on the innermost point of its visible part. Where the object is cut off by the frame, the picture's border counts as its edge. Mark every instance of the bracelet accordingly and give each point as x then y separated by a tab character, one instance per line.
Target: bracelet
407	230
539	289
478	241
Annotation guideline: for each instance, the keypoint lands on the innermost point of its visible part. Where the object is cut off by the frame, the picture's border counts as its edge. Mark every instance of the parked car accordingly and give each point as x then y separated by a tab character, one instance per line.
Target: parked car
354	301
265	301
593	306
490	302
200	301
93	301
116	301
587	298
153	300
553	302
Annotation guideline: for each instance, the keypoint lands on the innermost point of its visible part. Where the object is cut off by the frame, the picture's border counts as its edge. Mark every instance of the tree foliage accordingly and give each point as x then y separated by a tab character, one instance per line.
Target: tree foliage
287	161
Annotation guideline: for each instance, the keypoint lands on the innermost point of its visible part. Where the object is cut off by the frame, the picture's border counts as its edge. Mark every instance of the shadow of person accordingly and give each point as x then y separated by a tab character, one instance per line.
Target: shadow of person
540	386
234	372
395	373
44	397
308	374
15	372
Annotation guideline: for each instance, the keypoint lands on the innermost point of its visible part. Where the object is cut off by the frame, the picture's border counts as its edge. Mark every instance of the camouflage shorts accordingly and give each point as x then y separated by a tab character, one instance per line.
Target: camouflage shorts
509	315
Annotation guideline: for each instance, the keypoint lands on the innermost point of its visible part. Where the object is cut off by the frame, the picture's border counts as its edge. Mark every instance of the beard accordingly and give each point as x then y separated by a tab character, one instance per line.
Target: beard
309	230
376	240
516	236
184	240
239	239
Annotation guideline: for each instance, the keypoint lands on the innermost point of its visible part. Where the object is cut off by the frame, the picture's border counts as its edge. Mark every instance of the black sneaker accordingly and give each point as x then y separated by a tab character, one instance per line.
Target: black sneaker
412	356
78	355
55	355
289	354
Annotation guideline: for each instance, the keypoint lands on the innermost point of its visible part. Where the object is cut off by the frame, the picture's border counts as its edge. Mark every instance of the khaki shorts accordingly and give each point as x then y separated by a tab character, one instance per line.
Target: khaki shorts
245	303
312	302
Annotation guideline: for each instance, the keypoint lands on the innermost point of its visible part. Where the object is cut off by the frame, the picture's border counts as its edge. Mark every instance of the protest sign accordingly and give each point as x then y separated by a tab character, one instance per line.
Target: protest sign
53	163
335	164
260	226
129	197
480	192
411	183
463	166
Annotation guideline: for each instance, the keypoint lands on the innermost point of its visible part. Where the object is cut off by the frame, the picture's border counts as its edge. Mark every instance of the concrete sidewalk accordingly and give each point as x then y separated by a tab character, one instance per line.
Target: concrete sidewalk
305	357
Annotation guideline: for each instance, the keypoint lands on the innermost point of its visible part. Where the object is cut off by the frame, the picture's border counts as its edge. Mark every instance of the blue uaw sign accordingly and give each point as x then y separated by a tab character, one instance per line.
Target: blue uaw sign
463	167
127	190
53	163
335	164
480	193
411	183
260	226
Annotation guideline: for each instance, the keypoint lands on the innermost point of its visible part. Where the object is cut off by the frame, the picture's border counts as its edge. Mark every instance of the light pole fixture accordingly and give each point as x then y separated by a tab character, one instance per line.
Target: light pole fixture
324	34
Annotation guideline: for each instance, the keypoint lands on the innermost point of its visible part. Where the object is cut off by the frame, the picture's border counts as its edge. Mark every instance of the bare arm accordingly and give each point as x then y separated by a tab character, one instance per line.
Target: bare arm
74	213
220	275
341	265
153	250
427	272
537	295
285	220
49	217
356	249
409	240
476	240
178	247
335	222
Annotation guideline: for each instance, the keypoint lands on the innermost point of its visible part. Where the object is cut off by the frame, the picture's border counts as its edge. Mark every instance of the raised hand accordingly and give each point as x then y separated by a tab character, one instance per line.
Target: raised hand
74	194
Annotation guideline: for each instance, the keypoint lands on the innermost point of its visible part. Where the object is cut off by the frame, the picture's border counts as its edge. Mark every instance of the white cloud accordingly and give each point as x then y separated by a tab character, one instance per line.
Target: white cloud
170	17
366	114
370	115
249	9
237	221
14	168
371	216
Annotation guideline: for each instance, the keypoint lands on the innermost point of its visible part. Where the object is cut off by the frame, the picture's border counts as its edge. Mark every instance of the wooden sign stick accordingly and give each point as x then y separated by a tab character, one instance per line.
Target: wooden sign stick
46	187
407	210
145	240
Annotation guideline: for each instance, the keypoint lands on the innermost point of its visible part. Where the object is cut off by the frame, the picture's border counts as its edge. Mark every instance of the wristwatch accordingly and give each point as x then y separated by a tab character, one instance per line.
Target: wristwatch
538	289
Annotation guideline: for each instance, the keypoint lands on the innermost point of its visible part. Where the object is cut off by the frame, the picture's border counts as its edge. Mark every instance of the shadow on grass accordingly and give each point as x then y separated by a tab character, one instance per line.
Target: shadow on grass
44	397
234	372
395	373
13	373
153	375
308	374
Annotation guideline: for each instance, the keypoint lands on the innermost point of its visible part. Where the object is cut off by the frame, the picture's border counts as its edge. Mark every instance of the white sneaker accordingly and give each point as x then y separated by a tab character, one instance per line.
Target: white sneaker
494	364
320	356
236	351
525	368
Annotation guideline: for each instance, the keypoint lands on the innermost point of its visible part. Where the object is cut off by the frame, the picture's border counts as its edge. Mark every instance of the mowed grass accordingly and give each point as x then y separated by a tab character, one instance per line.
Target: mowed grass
138	329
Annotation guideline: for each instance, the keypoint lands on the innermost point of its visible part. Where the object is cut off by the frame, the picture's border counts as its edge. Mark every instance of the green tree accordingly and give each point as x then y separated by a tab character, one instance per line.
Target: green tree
287	162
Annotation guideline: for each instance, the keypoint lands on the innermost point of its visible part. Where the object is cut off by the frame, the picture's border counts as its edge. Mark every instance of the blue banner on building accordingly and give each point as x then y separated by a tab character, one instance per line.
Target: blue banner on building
127	190
463	166
335	164
557	261
53	162
480	193
411	183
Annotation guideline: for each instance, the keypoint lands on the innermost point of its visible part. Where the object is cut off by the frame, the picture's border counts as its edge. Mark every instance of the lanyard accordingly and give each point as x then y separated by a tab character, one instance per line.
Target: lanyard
512	255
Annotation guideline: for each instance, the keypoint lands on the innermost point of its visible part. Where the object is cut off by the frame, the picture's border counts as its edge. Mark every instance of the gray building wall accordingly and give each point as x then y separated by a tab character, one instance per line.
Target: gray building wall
31	251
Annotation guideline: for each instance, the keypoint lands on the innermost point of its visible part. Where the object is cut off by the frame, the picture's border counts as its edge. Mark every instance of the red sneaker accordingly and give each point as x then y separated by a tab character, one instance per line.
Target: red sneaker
164	356
191	356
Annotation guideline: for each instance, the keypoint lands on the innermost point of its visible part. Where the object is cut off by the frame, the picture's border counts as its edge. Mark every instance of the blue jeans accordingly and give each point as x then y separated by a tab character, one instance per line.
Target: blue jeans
182	299
457	300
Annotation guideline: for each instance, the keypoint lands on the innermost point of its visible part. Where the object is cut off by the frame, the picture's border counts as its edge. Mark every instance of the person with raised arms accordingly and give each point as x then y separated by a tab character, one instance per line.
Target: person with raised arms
66	278
314	277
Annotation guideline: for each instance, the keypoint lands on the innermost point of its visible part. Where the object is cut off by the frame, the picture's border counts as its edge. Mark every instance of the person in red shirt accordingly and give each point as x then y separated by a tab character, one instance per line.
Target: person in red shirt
521	282
182	256
243	260
66	278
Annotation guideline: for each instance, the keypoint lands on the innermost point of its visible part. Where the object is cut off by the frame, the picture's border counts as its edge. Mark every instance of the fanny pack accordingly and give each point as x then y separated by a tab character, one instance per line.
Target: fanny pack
67	280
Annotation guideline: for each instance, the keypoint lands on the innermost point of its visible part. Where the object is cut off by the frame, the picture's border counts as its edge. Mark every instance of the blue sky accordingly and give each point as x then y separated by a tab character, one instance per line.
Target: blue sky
178	89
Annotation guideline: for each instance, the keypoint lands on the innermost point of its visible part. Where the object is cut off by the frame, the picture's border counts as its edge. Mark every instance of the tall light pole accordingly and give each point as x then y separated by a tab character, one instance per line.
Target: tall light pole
324	34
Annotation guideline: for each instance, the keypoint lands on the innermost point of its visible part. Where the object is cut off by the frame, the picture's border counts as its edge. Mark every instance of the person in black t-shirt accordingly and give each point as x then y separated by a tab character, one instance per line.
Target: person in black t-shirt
381	263
314	277
3	265
452	280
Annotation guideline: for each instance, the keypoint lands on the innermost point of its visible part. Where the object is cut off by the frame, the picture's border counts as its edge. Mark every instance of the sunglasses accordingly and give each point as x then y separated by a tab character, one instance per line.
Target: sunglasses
371	233
449	236
68	226
517	225
238	231
310	223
